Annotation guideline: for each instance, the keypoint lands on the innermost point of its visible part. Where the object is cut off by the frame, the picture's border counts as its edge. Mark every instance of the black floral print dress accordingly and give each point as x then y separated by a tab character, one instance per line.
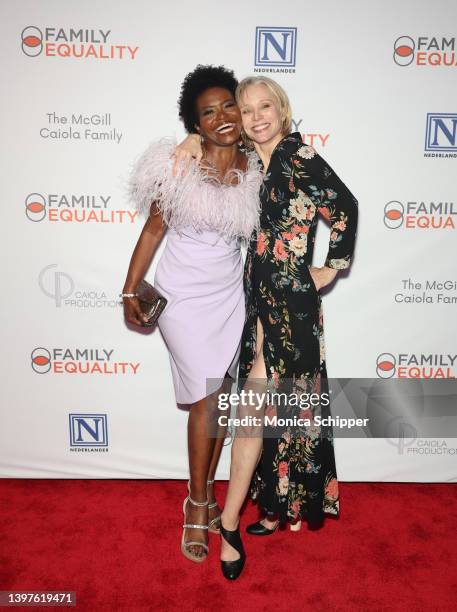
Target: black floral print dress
296	477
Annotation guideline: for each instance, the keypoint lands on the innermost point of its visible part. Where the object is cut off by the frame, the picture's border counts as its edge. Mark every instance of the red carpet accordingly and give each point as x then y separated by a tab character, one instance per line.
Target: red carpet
116	543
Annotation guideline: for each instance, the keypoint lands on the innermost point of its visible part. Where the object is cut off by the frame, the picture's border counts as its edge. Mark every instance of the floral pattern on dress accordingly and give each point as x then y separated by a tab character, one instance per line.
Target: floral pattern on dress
296	477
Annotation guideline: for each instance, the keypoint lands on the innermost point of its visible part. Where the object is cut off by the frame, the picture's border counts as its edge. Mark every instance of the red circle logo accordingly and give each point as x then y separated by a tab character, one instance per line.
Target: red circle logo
35	207
404	51
41	360
32	41
385	365
393	214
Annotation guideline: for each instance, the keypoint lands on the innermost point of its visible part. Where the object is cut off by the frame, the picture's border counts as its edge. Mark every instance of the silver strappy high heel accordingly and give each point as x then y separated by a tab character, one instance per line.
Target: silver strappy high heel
184	545
217	519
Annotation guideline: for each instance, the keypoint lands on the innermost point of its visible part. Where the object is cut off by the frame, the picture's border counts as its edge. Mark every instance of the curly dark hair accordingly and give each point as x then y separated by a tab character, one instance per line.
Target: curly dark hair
195	83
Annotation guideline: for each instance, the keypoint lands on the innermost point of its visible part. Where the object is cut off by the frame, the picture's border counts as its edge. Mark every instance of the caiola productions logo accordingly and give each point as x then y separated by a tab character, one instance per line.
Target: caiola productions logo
69	42
411	365
425	51
61	288
420	215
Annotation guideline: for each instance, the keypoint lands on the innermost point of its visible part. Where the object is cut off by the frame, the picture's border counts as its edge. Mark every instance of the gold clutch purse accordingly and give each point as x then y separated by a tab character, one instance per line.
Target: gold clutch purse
151	301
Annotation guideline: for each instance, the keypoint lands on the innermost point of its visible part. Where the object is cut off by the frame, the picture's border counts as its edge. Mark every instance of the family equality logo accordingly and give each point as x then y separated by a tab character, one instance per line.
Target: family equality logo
275	49
75	208
416	365
79	43
425	51
420	215
66	360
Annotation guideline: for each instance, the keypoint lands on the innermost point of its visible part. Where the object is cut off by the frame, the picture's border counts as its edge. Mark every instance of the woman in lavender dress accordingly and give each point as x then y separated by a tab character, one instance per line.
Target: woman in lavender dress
206	212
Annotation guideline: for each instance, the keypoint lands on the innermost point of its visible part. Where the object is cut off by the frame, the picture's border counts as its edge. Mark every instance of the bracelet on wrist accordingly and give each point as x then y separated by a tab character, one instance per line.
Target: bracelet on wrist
128	295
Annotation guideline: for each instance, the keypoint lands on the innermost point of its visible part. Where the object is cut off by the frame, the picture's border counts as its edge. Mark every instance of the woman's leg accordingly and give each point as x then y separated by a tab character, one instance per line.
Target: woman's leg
220	431
246	450
219	442
204	451
200	448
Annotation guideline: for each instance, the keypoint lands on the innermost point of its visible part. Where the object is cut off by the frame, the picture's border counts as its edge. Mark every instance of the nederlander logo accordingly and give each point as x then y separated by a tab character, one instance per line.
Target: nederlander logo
79	43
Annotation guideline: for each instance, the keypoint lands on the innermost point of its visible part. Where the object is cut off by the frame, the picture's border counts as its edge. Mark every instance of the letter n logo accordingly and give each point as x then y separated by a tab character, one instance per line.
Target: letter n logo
88	430
275	46
441	132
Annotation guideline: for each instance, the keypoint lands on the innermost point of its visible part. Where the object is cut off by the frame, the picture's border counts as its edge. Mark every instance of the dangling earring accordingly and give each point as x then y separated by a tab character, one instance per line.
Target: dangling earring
241	141
246	141
202	145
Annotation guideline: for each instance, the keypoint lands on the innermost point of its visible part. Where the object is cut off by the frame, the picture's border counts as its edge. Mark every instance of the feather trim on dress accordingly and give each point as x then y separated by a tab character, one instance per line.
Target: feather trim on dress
196	200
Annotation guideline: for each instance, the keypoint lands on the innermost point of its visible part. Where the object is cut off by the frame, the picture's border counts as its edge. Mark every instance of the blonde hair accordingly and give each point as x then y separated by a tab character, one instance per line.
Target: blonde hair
278	94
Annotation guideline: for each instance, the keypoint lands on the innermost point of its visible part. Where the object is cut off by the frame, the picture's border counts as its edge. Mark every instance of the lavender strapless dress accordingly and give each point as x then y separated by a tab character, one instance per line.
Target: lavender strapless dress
200	271
201	276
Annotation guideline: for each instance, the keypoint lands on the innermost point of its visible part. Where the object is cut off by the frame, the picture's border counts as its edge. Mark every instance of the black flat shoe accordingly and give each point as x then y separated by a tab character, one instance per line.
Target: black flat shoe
232	569
260	530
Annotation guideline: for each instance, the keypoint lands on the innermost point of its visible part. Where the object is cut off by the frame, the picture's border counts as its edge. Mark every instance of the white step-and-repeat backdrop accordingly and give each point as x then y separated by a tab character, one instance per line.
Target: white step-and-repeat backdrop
87	85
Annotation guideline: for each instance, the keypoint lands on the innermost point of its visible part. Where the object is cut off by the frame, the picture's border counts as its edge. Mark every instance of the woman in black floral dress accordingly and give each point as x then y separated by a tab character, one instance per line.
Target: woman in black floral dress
283	333
296	477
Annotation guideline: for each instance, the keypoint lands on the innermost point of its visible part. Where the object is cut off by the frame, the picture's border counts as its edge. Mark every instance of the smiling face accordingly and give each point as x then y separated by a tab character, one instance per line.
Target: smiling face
219	116
261	115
